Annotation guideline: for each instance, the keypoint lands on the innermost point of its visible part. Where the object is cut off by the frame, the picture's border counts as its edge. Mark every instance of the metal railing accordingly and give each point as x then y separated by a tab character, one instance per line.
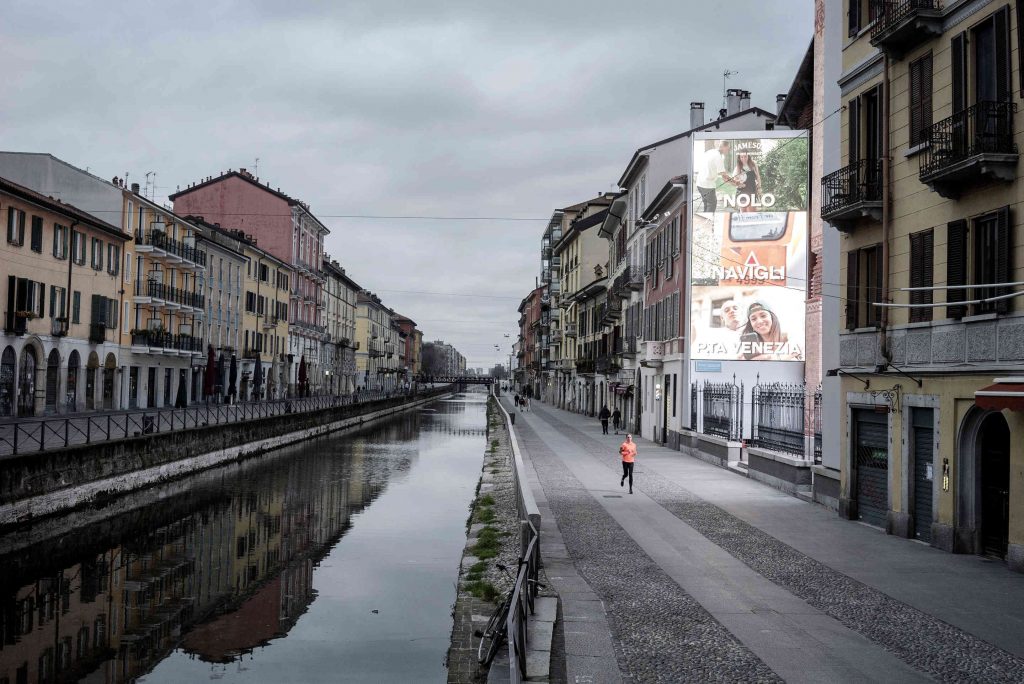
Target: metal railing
525	588
45	434
984	128
816	422
163	340
888	13
168	293
777	417
722	409
860	181
160	240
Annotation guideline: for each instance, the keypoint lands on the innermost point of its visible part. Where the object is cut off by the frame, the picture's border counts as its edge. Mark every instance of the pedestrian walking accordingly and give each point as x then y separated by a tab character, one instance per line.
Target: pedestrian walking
628	453
616	419
604	415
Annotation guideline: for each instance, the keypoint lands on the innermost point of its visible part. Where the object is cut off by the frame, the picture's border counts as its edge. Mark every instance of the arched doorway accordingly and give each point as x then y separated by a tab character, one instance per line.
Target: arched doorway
52	381
90	381
993	454
8	362
108	381
27	381
71	386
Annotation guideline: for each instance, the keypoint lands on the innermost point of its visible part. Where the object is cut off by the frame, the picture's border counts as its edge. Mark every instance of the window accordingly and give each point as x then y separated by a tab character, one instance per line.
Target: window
978	253
113	258
859	10
60	241
127	317
250	302
97	254
264	271
922	258
920	99
981	63
15	226
77	247
127	267
76	307
58	305
37	234
863	286
865	126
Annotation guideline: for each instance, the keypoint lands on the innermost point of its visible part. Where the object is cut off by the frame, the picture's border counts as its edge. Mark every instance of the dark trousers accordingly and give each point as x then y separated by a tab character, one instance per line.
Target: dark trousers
710	198
627	471
604	425
615	424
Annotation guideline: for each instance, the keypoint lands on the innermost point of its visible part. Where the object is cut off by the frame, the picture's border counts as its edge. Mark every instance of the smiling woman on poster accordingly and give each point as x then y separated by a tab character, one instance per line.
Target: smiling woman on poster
763	339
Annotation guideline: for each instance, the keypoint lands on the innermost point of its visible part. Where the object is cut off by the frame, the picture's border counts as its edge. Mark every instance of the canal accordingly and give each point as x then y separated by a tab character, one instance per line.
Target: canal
334	560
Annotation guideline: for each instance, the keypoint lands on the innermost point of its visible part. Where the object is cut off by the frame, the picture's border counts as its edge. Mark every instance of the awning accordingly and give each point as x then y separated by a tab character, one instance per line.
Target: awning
1004	393
624	389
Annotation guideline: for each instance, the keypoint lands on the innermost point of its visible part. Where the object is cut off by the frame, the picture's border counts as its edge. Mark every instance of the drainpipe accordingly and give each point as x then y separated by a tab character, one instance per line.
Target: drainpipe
886	213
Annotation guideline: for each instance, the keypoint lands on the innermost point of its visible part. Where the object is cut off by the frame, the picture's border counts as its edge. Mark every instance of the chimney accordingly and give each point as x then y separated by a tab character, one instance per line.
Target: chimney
243	172
696	114
135	188
721	113
780	100
744	100
732	101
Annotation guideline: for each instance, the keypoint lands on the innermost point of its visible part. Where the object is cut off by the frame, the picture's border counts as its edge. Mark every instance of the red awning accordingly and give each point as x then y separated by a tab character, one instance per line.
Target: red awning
1005	393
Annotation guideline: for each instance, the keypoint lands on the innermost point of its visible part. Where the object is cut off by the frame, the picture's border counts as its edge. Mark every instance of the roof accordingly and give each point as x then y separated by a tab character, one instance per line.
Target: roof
801	92
711	124
604	199
667	195
339	272
59	207
580	225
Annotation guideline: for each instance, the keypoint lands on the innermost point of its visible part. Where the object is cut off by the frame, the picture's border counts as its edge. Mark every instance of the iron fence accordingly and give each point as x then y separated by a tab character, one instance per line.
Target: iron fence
693	406
889	13
44	434
523	593
986	127
723	409
859	182
816	422
777	417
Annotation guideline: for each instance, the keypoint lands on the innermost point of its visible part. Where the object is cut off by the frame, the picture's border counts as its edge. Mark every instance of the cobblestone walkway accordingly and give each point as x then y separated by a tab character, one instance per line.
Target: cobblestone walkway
931	645
666	634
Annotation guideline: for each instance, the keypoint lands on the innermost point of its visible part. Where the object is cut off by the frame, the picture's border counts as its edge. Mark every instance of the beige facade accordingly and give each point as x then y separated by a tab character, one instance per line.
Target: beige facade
926	197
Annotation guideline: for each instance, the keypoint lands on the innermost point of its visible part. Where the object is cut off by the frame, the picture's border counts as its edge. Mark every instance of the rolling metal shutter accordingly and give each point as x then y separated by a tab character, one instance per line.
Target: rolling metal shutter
924	472
872	462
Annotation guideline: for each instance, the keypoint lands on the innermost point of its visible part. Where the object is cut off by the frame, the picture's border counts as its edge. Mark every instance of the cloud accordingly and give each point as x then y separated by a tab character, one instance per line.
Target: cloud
451	109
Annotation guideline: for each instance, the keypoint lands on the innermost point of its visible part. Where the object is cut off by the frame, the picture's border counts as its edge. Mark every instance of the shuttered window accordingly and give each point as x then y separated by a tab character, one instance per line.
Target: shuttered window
853	127
920	99
956	267
853	15
991	247
852	284
863	287
37	234
922	259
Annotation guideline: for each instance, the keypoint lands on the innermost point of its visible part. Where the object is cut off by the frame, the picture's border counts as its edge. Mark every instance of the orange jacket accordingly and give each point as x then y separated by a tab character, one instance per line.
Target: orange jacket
628	451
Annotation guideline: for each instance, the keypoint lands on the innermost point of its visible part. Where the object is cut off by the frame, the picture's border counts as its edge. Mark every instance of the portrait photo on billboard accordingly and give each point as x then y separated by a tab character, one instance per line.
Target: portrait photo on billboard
748	278
750	174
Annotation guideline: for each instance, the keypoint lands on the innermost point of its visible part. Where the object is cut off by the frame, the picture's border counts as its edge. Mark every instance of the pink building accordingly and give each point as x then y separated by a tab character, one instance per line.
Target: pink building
286	228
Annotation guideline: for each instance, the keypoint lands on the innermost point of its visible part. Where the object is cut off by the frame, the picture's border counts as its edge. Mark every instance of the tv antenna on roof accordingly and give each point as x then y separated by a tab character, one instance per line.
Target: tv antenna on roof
725	77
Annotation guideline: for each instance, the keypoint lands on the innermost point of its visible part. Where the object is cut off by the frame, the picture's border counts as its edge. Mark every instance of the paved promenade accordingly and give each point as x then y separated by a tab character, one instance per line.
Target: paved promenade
703	575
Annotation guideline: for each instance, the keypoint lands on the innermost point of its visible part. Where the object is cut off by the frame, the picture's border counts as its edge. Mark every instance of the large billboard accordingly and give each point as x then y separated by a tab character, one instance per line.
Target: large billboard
748	247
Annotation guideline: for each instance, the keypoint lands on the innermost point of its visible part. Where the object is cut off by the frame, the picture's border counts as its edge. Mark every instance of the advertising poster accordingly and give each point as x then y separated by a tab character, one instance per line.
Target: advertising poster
748	249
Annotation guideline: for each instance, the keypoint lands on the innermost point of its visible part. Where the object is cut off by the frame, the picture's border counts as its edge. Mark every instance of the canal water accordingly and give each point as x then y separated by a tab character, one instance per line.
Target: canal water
332	561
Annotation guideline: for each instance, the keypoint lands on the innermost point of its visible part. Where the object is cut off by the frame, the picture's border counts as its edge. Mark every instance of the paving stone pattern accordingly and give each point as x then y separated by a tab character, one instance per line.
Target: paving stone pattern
922	640
664	634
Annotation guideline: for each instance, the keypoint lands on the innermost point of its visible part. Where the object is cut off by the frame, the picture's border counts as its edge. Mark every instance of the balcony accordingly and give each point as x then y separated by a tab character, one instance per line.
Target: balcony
901	25
973	145
157	241
155	340
853	192
556	261
545	275
556	314
555	287
624	346
97	333
606	364
611	311
59	327
170	297
270	322
556	337
636	278
585	366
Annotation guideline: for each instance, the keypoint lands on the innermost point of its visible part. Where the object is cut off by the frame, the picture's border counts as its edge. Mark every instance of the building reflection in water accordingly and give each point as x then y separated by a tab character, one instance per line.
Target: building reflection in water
217	572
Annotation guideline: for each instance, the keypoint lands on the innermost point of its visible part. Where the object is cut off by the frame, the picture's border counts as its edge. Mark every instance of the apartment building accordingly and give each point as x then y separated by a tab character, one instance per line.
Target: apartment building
529	339
373	332
62	294
341	306
286	228
926	199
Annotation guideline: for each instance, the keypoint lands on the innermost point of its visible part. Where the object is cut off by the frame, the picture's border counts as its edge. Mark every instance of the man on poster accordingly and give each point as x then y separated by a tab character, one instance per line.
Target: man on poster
712	175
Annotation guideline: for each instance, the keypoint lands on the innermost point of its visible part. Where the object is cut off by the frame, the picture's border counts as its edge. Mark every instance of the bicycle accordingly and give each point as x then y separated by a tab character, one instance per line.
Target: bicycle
497	627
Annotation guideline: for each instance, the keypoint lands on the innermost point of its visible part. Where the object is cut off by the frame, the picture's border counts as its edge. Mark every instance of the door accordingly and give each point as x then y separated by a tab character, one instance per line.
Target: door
151	388
666	399
994	454
27	382
7	365
871	479
923	443
52	381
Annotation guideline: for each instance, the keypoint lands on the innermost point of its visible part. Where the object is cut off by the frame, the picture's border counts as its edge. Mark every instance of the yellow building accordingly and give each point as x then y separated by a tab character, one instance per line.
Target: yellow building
926	200
373	333
59	352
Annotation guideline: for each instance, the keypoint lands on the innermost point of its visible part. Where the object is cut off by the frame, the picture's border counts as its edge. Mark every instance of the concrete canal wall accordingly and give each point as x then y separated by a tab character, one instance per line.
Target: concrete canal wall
36	485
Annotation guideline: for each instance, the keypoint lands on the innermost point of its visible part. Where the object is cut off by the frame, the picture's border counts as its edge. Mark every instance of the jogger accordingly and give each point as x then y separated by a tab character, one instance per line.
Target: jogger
628	453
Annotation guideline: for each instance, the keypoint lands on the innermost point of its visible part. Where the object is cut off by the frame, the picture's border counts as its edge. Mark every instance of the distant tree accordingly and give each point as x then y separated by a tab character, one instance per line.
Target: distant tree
432	360
499	372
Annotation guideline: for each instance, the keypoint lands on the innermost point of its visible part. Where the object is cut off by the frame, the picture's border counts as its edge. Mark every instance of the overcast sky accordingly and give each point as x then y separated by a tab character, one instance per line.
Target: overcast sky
459	108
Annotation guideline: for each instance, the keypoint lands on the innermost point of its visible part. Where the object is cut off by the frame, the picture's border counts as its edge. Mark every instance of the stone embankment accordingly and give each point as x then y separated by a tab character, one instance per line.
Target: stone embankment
493	538
56	481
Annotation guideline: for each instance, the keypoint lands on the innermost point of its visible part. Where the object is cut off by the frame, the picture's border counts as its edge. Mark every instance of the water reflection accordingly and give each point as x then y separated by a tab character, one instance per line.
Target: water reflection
225	568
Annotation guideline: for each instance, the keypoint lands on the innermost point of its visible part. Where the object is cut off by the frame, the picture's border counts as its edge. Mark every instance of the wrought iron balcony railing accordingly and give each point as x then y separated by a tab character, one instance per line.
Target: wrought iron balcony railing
159	239
972	144
899	25
168	293
852	192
